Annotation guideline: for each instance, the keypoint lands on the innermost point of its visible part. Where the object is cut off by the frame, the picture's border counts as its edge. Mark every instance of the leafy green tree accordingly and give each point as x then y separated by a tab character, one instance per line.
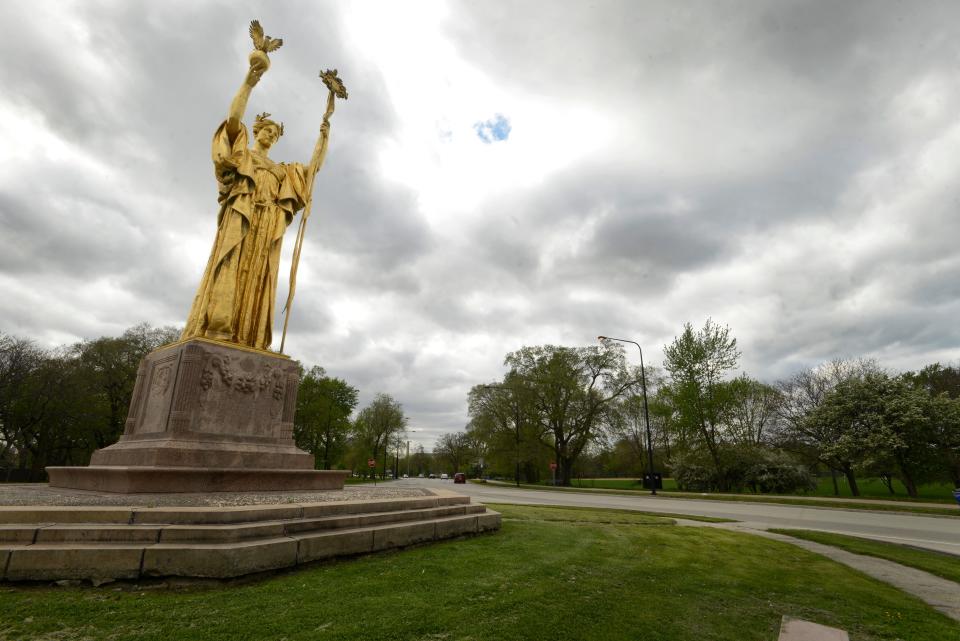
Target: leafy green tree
420	461
570	389
456	450
20	360
502	418
111	364
945	422
377	424
943	384
880	421
57	406
322	422
937	379
698	362
799	397
752	411
626	427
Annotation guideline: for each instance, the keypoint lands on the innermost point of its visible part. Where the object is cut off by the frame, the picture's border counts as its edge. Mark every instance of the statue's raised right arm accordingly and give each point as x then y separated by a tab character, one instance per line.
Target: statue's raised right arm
259	63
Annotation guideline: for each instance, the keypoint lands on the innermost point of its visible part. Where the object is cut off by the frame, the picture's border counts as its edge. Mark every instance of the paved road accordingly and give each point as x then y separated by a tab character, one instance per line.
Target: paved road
935	533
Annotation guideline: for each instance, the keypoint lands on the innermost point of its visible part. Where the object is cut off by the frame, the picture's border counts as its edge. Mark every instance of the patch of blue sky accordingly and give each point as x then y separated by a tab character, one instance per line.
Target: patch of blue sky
497	128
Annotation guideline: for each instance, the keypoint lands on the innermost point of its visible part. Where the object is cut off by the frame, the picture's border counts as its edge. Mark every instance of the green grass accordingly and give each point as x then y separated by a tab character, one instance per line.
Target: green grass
943	565
874	488
870	488
548	574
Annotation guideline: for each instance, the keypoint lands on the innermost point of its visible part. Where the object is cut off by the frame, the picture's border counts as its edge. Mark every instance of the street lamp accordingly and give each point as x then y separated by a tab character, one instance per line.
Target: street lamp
646	412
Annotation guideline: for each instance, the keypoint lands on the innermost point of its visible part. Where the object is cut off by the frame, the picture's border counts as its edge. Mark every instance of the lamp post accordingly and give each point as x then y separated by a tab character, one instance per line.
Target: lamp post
646	412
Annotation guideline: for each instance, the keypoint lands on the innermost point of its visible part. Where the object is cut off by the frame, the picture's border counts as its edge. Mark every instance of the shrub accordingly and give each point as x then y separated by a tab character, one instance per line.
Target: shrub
692	477
779	476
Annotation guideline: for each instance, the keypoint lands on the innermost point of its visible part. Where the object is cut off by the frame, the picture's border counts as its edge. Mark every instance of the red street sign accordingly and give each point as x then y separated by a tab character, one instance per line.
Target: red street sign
371	463
553	466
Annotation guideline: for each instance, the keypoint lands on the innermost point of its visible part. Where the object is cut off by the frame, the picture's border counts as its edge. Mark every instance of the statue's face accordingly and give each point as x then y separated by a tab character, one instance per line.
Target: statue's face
267	136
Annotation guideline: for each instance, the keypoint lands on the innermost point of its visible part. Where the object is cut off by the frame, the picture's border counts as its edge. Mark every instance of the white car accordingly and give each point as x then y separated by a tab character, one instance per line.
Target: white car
444	477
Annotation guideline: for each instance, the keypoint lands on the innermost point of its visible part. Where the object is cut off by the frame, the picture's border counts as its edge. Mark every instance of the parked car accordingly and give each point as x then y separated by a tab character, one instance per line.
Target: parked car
406	476
433	476
420	475
459	477
444	476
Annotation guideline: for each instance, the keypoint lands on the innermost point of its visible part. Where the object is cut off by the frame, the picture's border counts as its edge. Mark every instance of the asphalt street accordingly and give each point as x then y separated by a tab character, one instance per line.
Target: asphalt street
932	532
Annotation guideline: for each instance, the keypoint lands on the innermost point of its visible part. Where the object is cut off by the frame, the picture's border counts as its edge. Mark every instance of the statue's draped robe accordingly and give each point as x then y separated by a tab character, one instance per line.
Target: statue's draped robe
258	198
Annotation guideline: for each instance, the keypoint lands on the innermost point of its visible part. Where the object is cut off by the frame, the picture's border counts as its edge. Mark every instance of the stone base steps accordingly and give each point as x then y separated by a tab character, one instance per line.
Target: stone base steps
41	543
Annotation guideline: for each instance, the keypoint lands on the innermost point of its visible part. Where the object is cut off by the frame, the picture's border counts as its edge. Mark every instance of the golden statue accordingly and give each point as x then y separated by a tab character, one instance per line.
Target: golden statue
258	199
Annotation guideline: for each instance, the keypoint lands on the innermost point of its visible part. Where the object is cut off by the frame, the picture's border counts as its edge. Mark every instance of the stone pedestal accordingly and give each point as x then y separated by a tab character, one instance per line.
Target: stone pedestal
206	416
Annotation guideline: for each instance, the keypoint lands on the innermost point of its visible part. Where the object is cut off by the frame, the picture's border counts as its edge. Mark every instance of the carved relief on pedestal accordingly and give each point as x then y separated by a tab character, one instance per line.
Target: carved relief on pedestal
136	400
288	392
188	384
200	388
161	380
154	399
243	392
243	378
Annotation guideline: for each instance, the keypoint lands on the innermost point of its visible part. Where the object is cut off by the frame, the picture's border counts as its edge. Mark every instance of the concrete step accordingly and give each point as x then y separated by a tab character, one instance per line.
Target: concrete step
13	515
27	533
90	559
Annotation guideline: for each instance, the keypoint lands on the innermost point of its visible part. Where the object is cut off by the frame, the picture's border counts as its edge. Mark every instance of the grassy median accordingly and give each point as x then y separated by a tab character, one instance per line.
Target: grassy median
550	573
900	506
870	488
943	565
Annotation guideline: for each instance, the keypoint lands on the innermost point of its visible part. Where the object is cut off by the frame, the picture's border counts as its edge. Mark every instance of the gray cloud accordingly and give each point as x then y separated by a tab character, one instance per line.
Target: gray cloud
786	168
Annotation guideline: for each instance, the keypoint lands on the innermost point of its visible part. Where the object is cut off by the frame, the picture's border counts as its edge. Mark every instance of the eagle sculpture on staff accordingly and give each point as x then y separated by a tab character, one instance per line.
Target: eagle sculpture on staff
261	42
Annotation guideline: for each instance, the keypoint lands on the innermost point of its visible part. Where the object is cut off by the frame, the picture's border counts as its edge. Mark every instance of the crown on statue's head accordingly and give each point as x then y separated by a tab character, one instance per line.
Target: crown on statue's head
262	120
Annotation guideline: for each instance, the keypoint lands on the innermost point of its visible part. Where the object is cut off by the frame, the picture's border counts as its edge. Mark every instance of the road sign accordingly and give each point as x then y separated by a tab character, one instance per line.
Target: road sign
553	466
371	462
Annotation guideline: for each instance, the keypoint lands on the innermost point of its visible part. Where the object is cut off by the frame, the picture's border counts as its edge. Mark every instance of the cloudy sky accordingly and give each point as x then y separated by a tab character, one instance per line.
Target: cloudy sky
503	174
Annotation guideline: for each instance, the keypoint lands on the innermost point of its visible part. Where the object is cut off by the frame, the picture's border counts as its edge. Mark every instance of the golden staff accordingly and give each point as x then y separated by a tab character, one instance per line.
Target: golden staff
337	90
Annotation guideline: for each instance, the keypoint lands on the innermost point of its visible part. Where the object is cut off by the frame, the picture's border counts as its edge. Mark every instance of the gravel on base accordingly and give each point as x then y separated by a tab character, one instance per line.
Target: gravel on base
43	494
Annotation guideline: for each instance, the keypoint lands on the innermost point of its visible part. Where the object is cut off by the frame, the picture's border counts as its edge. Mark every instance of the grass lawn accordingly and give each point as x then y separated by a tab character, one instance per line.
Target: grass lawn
874	488
944	565
548	574
870	488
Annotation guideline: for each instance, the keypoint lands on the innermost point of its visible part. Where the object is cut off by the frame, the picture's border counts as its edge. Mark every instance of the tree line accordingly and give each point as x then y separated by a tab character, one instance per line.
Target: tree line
582	409
58	405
